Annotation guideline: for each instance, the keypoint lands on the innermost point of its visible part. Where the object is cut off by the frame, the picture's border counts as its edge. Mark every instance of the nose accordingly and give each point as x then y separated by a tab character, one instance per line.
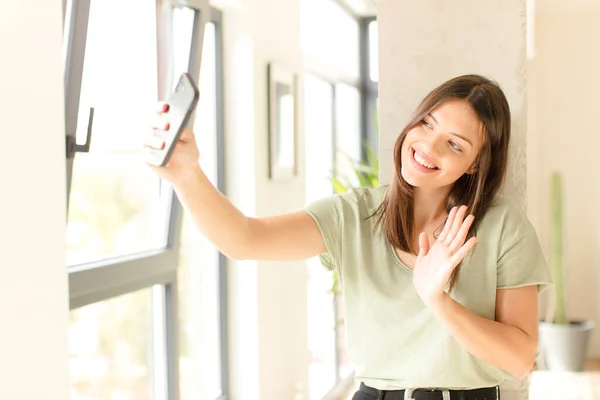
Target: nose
434	144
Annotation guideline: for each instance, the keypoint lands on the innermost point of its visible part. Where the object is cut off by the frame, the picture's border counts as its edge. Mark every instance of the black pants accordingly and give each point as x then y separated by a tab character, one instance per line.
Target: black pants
369	393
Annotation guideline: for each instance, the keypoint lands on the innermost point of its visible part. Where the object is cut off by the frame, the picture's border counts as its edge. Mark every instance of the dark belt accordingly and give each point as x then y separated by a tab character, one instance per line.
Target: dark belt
489	393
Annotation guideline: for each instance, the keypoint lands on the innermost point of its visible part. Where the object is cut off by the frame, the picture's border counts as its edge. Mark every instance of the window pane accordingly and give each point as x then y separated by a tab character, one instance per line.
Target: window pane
373	52
318	128
348	142
200	341
318	132
331	34
115	207
348	146
110	349
183	29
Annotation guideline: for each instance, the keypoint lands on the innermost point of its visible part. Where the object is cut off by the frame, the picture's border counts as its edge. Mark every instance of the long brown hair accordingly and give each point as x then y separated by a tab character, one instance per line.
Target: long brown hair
395	216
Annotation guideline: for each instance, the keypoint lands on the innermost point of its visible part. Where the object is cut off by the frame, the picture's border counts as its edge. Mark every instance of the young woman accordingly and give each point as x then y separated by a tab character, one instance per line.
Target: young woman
440	274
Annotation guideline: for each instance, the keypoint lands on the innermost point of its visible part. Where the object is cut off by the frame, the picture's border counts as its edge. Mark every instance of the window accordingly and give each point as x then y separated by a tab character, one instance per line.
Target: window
330	34
348	147
369	80
340	102
115	207
147	316
319	145
201	265
373	52
332	139
111	348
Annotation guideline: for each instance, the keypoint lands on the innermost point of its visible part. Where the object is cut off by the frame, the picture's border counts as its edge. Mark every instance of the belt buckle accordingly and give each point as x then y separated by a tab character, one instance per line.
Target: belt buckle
408	393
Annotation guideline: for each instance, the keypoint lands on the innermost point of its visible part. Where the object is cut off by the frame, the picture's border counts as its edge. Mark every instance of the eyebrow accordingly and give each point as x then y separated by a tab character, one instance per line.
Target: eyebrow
452	133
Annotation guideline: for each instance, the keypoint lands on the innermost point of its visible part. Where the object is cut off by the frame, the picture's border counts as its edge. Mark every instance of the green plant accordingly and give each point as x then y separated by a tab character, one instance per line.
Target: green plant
556	249
366	174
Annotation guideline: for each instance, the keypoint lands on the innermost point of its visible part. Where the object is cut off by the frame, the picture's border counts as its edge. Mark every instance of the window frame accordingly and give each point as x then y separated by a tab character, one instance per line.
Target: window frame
105	279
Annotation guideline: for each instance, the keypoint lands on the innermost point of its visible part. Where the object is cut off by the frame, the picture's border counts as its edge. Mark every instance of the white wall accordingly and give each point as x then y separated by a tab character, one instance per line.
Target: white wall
268	327
282	287
33	288
422	44
563	135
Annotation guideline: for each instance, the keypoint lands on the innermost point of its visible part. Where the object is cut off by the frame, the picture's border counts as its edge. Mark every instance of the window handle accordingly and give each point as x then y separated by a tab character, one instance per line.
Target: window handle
73	147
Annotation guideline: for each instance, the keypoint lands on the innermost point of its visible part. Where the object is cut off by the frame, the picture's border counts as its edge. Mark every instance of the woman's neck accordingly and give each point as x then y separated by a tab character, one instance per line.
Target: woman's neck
429	206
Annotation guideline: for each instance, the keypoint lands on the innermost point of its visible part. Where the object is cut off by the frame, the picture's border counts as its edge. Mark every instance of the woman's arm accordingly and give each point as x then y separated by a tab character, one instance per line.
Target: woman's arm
293	236
510	342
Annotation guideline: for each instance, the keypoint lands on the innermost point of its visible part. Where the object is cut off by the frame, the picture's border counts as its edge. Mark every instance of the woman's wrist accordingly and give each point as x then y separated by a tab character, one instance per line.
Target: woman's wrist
188	177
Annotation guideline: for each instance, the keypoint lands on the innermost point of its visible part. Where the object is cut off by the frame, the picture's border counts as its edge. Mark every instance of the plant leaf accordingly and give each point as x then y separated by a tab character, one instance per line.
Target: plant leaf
338	187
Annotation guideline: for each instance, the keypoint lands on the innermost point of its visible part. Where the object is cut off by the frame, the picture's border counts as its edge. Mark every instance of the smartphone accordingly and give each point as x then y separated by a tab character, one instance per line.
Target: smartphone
182	104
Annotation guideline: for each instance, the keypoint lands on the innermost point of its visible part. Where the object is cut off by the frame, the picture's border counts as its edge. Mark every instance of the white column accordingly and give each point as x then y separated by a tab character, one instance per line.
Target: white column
33	289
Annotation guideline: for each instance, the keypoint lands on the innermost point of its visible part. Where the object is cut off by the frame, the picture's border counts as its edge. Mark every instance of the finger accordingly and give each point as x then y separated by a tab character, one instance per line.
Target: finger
423	244
462	233
448	224
155	142
161	107
463	251
160	123
458	220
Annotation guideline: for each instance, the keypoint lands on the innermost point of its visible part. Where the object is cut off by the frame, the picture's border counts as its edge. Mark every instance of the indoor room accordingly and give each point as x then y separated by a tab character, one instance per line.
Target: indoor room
242	257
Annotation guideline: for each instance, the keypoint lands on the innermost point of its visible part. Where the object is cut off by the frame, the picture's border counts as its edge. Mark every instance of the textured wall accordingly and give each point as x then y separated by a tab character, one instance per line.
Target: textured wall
422	44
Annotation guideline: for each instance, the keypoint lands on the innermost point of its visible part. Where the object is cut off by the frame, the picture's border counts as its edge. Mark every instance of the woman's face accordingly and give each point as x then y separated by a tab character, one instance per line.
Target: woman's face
442	147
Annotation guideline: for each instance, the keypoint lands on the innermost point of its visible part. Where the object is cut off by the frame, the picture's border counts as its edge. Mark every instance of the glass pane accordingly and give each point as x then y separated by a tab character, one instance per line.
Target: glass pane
331	34
348	146
373	52
183	29
348	141
110	347
200	341
318	132
115	207
318	128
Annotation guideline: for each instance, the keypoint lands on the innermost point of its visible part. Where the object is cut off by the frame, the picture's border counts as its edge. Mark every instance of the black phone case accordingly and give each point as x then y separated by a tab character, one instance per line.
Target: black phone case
182	104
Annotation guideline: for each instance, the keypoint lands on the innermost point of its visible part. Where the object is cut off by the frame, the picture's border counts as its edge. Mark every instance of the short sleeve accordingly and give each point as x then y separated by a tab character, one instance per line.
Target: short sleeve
327	215
522	262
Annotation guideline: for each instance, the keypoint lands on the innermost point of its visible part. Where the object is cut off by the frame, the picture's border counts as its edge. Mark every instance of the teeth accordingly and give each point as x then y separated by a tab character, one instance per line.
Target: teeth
423	162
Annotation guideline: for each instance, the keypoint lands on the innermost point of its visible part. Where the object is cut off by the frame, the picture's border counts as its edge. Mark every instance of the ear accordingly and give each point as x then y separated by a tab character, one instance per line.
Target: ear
472	170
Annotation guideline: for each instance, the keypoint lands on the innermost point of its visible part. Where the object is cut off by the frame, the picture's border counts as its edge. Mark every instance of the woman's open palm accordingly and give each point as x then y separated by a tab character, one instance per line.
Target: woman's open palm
435	263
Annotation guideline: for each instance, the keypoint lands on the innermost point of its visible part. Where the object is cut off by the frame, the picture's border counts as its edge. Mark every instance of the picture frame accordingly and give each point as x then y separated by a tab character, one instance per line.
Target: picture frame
282	122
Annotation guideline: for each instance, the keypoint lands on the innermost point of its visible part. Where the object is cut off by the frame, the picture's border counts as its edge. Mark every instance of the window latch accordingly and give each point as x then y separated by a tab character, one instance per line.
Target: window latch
73	147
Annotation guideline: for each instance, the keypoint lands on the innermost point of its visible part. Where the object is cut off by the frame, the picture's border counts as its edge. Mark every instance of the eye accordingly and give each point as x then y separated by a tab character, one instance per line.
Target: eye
425	123
455	146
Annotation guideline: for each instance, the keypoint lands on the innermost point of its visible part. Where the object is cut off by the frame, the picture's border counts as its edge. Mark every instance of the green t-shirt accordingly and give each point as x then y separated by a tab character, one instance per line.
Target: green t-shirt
394	340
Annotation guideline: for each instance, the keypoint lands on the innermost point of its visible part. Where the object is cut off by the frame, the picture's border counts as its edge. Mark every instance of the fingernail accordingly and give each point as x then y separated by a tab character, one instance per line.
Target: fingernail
166	107
167	126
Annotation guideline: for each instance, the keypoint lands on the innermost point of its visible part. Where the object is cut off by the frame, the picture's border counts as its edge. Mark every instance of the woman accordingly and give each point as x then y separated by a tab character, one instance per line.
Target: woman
440	274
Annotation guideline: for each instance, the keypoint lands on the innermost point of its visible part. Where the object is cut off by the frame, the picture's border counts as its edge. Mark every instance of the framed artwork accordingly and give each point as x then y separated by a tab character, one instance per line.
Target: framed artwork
281	121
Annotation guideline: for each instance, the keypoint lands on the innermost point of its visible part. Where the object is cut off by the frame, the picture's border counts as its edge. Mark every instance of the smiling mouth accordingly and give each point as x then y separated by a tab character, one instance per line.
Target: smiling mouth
421	161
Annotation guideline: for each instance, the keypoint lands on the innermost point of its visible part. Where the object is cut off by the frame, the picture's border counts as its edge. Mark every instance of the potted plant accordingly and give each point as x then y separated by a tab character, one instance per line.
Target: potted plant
563	342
